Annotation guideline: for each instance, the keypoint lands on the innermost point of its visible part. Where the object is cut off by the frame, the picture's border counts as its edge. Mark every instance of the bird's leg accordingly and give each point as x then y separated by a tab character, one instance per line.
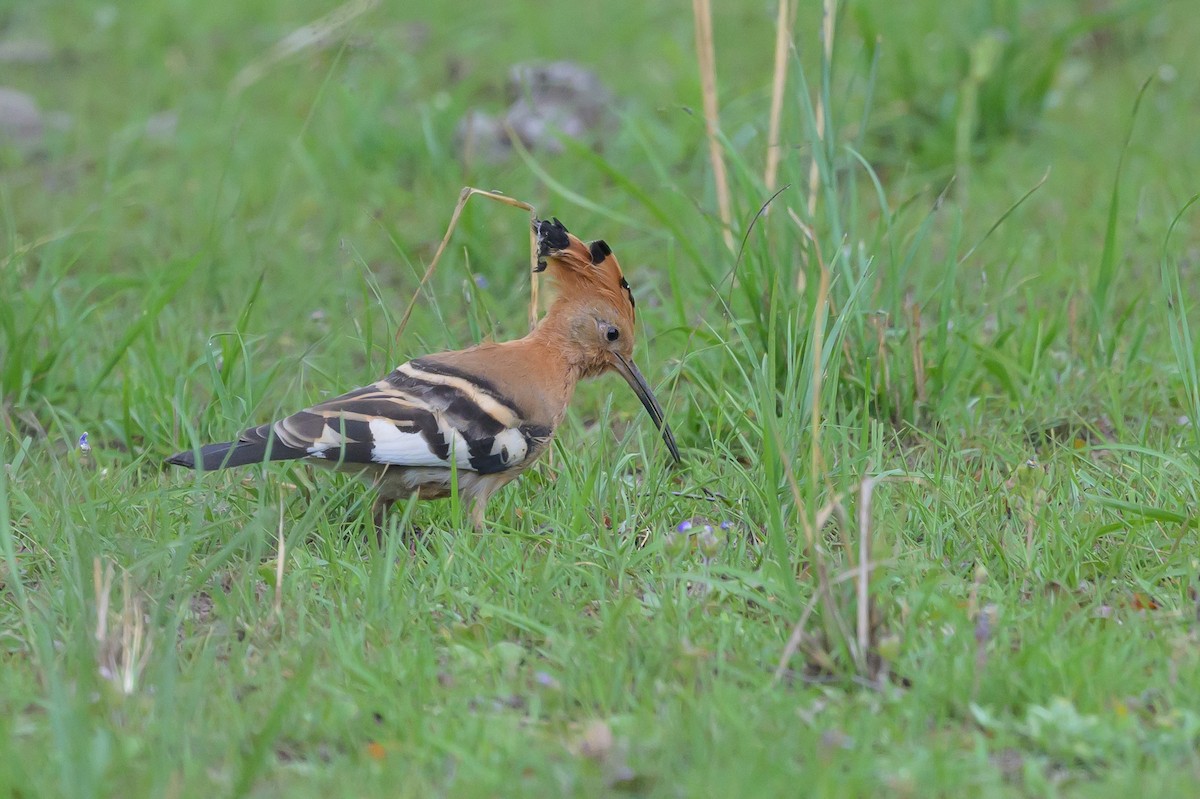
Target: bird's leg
479	492
467	193
410	535
379	512
477	507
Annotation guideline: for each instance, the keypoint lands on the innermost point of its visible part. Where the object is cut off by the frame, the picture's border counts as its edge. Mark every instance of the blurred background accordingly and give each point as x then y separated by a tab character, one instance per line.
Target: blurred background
318	147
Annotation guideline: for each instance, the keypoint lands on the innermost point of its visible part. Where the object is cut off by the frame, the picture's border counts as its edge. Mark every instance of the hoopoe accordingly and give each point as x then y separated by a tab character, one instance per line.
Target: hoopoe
486	413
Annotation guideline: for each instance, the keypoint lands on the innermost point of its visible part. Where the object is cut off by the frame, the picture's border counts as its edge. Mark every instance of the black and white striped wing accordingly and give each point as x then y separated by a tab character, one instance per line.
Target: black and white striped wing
422	414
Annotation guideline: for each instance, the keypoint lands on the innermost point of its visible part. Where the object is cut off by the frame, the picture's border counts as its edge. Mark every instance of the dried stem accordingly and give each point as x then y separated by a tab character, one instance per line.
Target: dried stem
783	40
828	15
281	556
707	61
918	355
864	566
467	193
122	653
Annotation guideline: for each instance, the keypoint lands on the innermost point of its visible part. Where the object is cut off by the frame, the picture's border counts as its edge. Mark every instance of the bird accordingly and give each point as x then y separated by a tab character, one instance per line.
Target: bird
480	416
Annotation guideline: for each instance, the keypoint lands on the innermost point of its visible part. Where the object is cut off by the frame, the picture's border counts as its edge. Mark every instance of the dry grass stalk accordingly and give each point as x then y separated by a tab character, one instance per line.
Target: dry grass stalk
798	637
918	354
467	193
707	61
863	629
315	35
279	561
783	40
863	643
121	654
828	15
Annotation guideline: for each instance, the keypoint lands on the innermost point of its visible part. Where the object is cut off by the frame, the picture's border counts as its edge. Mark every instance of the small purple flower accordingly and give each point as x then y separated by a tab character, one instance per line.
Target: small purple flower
726	525
84	446
481	281
684	526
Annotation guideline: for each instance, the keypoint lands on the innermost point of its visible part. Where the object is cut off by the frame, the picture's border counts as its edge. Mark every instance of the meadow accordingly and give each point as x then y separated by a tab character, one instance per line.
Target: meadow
934	383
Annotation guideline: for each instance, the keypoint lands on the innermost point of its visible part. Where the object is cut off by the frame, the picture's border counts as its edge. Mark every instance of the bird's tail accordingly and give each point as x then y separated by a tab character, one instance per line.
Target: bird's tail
255	446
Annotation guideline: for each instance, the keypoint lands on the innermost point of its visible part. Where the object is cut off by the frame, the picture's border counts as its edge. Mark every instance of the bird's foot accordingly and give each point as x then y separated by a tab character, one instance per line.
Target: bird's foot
412	535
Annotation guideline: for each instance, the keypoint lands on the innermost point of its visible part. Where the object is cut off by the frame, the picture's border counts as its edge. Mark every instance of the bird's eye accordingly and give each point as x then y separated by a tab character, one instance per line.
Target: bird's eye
612	334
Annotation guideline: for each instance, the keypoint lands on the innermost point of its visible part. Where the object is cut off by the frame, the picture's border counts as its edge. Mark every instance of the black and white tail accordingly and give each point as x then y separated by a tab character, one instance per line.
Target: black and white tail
424	414
255	446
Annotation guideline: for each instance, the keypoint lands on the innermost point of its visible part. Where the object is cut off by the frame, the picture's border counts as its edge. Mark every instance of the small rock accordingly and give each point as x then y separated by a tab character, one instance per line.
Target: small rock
556	97
565	84
481	136
546	100
21	121
25	52
537	125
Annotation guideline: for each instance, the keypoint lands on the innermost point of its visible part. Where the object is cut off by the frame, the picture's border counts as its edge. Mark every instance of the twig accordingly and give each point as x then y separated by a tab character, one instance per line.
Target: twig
707	61
466	194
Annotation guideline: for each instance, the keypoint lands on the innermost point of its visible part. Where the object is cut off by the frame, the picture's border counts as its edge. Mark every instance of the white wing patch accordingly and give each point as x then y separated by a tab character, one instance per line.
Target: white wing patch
395	447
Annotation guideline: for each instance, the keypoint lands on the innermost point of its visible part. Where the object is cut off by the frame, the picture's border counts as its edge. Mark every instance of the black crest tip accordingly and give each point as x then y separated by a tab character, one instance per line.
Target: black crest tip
551	236
600	250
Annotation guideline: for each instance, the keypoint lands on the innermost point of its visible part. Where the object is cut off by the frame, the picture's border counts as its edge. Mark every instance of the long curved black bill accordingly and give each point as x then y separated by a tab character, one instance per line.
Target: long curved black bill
633	377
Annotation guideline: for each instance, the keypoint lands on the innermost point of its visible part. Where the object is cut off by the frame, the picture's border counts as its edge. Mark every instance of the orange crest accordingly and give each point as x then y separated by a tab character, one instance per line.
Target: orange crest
579	270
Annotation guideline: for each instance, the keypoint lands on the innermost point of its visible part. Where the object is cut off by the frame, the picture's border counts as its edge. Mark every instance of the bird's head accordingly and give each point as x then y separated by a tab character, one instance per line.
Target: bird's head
595	311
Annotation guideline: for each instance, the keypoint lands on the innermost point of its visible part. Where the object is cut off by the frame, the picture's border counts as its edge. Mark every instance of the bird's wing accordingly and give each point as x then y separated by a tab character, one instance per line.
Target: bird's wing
422	414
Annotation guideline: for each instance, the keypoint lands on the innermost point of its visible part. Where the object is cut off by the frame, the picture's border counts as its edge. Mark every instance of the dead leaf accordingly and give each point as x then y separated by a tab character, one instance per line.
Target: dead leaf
1144	602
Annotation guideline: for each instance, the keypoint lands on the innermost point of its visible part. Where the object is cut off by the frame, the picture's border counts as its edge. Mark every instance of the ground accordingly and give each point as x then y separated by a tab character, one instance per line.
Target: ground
211	231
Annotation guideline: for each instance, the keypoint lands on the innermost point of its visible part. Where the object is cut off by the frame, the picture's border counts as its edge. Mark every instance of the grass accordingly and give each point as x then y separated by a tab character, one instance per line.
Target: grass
1012	372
